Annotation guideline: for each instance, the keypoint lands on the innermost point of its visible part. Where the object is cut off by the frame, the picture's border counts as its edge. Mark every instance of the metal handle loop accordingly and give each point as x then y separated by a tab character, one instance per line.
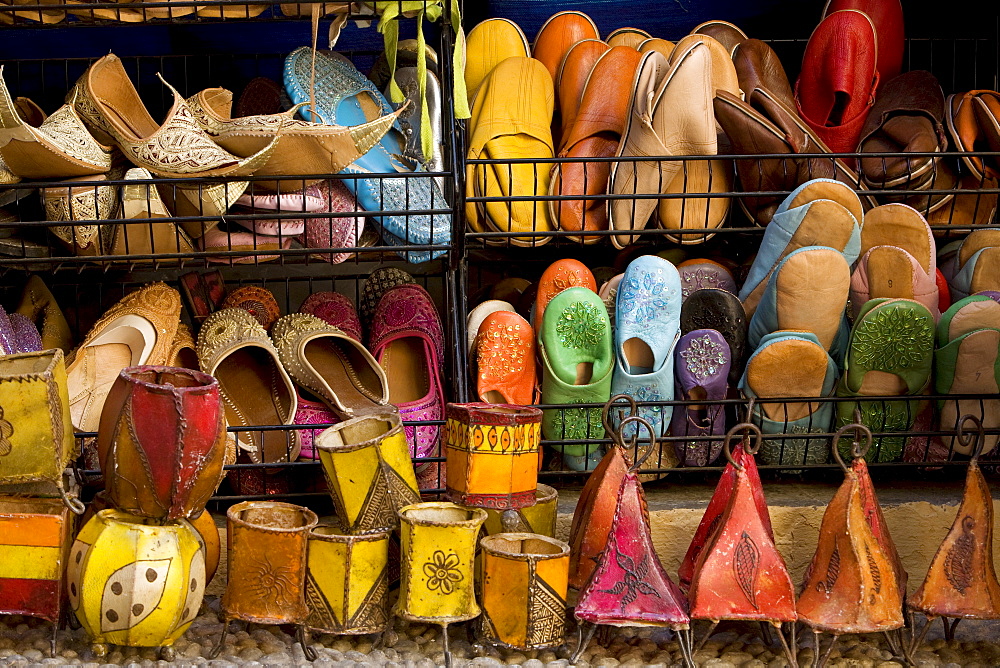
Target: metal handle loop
640	421
861	432
616	435
969	432
746	428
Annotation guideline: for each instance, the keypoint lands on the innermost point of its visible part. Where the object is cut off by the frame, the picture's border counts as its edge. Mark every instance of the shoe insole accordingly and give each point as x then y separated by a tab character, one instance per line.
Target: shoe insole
255	395
405	363
638	356
974	315
696	177
975	242
837	192
346	372
898	225
975	374
789	368
986	275
584	373
826	223
811	293
493	397
890	273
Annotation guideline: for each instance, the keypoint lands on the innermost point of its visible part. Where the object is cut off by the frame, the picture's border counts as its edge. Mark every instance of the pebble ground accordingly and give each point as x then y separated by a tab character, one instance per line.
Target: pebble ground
25	642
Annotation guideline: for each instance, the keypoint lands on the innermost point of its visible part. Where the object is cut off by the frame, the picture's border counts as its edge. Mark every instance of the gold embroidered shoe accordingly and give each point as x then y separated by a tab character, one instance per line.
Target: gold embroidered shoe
303	147
332	365
89	201
60	147
255	389
108	102
139	329
40	307
141	201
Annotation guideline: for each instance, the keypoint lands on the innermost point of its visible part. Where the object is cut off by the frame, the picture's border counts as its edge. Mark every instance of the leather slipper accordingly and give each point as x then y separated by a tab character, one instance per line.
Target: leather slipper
726	33
572	78
596	133
511	119
487	45
713	308
630	37
505	358
758	66
478	315
560	32
887	17
703	362
662	46
558	276
697	274
972	124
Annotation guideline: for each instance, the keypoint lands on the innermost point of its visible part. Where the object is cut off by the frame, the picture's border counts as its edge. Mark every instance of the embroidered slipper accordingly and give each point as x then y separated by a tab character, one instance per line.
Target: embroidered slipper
702	363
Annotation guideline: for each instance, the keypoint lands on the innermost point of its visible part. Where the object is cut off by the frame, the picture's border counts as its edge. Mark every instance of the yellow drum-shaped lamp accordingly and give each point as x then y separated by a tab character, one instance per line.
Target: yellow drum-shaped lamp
438	545
347	581
539	517
492	454
267	543
133	581
368	469
525	578
36	431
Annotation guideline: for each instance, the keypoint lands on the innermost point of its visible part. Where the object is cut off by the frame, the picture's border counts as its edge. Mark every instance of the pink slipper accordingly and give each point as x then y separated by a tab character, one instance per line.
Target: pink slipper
335	309
221	241
888	271
339	232
312	412
291	202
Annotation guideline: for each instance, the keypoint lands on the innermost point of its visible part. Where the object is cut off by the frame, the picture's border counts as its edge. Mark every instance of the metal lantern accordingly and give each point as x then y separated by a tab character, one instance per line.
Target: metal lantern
35	535
161	441
492	454
438	545
368	469
135	582
539	517
525	579
36	431
347	581
267	565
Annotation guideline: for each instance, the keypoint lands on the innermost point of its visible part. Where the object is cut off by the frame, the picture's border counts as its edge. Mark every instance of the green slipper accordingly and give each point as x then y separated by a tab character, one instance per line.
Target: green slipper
891	353
575	345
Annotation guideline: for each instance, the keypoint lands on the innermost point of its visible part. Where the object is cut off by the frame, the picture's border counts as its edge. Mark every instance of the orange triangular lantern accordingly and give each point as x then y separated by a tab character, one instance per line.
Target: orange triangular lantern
717	505
876	522
740	574
962	580
594	513
851	586
629	586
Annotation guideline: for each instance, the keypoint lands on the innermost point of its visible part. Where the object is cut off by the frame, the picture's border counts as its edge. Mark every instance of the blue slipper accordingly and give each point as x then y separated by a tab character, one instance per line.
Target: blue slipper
344	96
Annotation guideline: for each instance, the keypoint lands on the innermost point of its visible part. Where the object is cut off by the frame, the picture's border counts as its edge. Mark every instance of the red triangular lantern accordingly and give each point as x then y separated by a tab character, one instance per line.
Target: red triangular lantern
717	505
593	516
876	522
740	574
629	586
962	579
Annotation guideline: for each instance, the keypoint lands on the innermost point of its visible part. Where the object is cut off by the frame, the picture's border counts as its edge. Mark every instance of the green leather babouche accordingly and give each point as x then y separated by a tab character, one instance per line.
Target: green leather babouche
575	344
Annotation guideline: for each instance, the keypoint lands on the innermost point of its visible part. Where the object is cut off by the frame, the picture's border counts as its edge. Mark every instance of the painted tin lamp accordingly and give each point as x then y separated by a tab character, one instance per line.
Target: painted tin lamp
850	585
628	585
961	582
35	536
347	581
368	469
438	545
268	541
36	431
162	441
525	579
134	582
492	454
739	575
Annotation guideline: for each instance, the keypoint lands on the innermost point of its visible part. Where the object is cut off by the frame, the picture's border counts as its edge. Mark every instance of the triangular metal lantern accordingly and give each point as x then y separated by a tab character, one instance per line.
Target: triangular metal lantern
629	586
739	574
962	580
850	586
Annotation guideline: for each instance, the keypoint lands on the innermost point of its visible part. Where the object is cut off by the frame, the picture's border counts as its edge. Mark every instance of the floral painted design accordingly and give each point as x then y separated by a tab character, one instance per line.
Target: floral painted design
580	325
577	424
442	572
703	357
641	297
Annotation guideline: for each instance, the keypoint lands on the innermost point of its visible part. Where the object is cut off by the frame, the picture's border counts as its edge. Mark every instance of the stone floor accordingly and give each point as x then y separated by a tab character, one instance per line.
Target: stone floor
25	642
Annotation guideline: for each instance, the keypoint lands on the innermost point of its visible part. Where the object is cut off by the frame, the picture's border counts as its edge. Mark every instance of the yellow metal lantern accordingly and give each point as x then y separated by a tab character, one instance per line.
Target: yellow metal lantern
267	543
369	471
438	545
525	578
492	454
347	581
36	431
538	518
135	582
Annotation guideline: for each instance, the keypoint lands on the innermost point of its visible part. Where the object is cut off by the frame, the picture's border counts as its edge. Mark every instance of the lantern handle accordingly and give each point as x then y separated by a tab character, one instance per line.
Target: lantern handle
860	433
969	432
640	421
616	435
746	428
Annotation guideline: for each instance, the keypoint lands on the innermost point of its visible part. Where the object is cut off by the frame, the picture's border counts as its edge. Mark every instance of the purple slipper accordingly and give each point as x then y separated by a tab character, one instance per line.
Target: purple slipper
334	309
702	366
337	232
8	339
698	274
26	336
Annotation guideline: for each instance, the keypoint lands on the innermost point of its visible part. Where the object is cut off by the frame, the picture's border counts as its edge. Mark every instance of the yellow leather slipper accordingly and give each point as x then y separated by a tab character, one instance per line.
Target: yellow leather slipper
489	44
